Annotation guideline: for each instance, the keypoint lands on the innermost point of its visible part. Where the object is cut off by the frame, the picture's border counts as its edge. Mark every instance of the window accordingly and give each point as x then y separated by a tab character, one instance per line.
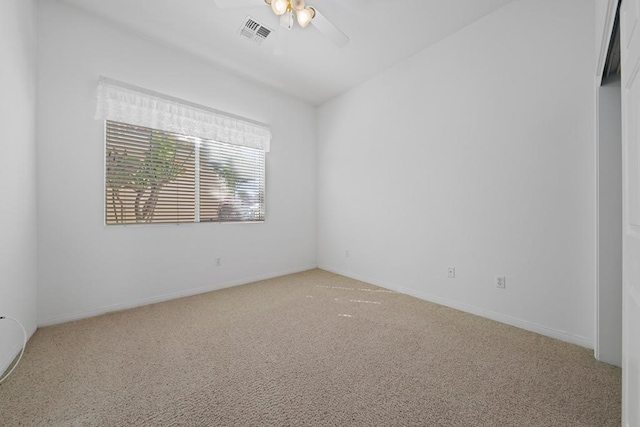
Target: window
154	176
169	161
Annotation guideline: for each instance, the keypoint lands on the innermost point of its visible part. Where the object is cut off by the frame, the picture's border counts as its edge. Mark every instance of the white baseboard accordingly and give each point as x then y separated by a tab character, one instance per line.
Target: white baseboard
478	311
7	358
165	297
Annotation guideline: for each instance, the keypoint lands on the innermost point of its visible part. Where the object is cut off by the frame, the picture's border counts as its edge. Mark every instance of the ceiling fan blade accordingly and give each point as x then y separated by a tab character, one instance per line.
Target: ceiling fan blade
236	4
327	28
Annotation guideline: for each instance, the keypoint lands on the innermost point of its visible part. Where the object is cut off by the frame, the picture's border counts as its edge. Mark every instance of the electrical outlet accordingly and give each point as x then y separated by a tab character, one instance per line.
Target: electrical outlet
451	272
218	262
501	282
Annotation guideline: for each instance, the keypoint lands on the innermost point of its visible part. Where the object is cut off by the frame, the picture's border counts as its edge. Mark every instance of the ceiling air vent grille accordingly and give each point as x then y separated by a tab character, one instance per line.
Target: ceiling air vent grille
253	30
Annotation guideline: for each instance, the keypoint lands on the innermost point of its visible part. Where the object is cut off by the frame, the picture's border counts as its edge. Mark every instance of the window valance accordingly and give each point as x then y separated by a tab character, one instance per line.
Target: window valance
125	103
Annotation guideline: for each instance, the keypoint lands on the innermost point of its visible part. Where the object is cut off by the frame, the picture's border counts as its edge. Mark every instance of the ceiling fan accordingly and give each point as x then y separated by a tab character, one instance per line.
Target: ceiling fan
288	10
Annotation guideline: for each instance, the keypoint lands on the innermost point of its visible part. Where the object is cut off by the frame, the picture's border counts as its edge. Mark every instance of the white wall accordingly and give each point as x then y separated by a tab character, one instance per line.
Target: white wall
17	174
476	153
609	316
86	268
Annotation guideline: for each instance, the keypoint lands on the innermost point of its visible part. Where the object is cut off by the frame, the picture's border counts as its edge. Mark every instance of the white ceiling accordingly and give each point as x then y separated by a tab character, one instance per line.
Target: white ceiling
382	34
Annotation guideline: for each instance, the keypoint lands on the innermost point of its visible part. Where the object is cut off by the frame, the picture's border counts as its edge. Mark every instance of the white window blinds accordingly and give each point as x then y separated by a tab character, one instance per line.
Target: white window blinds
154	176
121	102
150	176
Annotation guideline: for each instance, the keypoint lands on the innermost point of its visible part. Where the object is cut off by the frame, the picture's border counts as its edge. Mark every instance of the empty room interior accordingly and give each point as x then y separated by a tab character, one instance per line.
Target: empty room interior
320	212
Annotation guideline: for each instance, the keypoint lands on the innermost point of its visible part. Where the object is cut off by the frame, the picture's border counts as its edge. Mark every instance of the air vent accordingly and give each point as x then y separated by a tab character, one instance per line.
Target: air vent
253	30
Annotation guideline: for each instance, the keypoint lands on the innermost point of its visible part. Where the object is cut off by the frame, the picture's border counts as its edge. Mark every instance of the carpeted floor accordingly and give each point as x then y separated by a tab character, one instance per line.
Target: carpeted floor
303	350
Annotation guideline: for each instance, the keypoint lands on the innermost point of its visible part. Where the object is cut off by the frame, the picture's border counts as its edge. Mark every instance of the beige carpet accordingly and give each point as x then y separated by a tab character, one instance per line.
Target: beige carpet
303	350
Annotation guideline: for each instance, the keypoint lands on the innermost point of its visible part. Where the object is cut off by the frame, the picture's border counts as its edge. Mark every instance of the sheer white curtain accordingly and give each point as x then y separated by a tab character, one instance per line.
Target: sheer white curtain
125	103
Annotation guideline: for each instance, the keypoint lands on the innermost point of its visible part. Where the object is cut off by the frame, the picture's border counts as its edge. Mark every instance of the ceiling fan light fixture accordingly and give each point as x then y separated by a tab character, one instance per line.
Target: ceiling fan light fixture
305	16
297	5
279	7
